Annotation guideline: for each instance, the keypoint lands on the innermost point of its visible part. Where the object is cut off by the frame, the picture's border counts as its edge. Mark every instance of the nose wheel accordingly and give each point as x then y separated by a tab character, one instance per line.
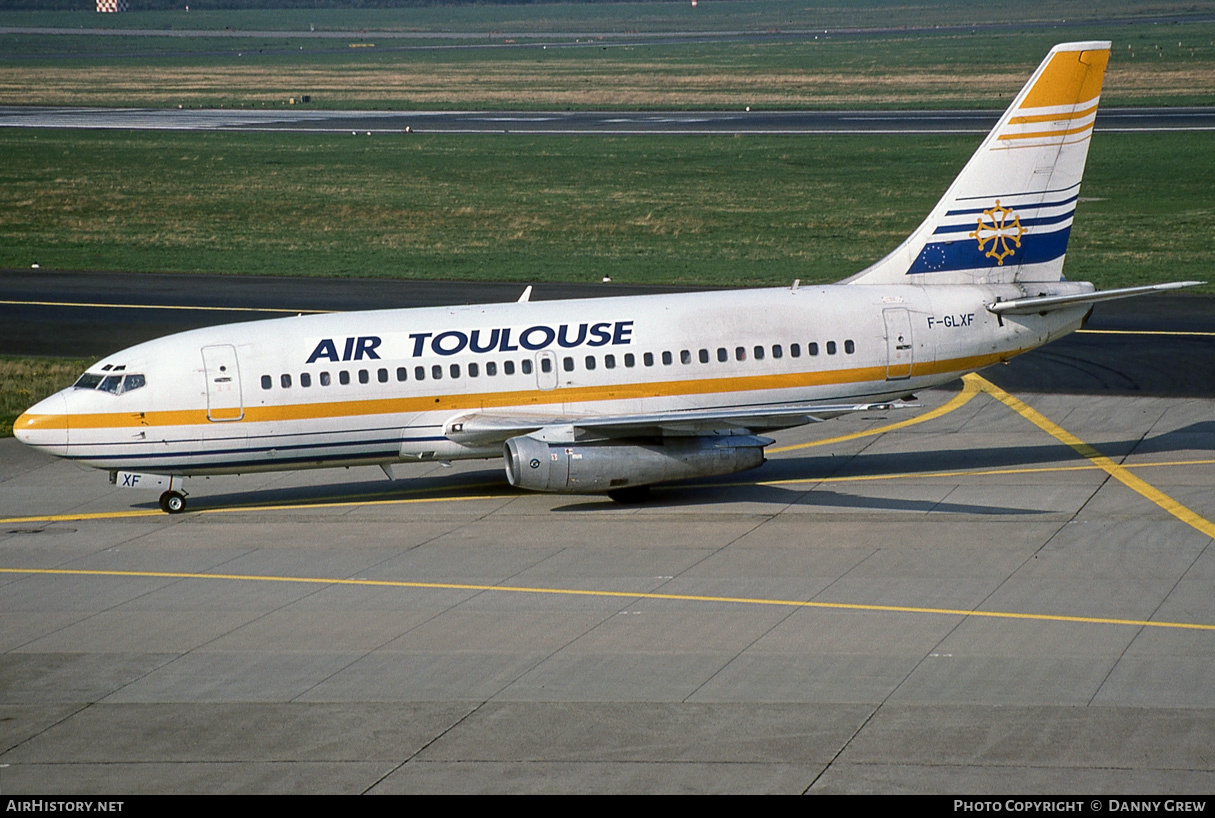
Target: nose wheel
172	502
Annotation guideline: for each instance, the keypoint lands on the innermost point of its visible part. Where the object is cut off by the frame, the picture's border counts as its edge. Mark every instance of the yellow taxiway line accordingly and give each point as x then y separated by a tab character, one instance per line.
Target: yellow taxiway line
972	386
969	390
1115	470
633	595
1180	333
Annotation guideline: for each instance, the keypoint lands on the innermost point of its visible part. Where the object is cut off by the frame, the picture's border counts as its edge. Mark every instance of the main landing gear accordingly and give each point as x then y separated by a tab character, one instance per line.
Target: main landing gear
630	495
172	502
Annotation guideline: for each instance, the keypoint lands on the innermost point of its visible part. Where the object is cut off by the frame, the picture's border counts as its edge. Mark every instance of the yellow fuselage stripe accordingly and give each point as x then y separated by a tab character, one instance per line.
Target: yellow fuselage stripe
511	400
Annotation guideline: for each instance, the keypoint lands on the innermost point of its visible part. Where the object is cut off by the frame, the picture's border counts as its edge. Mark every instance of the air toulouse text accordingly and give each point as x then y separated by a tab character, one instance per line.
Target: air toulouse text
501	339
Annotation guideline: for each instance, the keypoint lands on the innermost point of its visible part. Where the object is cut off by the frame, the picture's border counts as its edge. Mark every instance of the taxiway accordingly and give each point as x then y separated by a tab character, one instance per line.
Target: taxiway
1007	591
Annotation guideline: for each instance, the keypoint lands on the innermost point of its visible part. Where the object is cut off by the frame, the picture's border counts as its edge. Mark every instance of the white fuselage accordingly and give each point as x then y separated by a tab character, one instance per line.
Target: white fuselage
380	387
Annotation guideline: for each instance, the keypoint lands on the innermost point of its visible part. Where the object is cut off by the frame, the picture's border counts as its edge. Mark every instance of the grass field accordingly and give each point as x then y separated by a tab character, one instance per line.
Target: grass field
25	381
980	73
911	64
653	209
621	17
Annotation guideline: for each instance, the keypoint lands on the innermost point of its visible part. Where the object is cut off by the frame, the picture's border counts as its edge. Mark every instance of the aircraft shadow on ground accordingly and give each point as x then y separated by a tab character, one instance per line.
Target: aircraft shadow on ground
1096	365
869	469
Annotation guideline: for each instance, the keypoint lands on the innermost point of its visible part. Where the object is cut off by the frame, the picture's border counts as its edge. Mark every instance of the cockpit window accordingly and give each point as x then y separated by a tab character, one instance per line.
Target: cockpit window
88	381
114	384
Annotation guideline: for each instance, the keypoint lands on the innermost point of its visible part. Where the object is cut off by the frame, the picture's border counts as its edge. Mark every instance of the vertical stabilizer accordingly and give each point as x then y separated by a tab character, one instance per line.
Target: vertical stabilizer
1007	216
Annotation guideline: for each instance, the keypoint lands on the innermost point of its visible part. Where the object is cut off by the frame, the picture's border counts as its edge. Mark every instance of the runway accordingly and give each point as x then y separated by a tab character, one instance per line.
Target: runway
1007	591
302	118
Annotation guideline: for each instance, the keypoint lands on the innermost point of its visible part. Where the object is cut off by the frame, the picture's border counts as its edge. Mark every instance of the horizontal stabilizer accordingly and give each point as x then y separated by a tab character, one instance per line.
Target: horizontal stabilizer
1047	303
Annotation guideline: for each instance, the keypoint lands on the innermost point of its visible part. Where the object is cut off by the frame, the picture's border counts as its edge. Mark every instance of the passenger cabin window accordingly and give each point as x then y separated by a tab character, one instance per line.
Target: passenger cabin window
759	353
363	376
402	373
305	379
685	356
285	380
648	359
474	370
795	350
382	375
527	366
491	369
590	362
667	360
325	379
508	367
812	348
344	378
849	347
703	355
419	373
267	382
831	347
777	351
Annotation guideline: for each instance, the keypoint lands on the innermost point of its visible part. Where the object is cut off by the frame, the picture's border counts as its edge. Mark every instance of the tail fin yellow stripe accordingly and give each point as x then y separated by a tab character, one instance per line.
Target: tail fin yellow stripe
1071	78
1041	134
1025	120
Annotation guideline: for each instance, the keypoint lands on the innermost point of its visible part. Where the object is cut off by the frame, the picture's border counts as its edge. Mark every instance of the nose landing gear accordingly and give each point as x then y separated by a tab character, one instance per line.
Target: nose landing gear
172	502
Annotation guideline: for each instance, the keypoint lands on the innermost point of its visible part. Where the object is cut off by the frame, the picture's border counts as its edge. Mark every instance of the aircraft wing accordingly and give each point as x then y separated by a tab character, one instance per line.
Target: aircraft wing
481	428
1046	303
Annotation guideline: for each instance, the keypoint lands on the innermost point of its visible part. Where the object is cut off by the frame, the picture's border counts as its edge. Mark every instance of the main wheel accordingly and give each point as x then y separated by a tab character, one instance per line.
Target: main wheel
172	502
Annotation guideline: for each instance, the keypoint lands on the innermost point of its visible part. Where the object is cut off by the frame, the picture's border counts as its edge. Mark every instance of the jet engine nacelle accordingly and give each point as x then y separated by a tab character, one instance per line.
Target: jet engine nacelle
613	465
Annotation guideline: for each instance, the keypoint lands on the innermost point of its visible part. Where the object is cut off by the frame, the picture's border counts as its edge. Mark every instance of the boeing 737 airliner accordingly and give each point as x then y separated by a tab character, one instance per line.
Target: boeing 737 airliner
615	394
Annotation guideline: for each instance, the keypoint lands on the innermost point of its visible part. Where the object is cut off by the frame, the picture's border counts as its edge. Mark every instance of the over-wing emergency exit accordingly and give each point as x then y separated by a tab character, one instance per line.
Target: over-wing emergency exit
615	394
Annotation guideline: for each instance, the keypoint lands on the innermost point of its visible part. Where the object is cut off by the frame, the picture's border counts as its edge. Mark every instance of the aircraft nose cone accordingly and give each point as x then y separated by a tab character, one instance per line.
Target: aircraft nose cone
45	425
